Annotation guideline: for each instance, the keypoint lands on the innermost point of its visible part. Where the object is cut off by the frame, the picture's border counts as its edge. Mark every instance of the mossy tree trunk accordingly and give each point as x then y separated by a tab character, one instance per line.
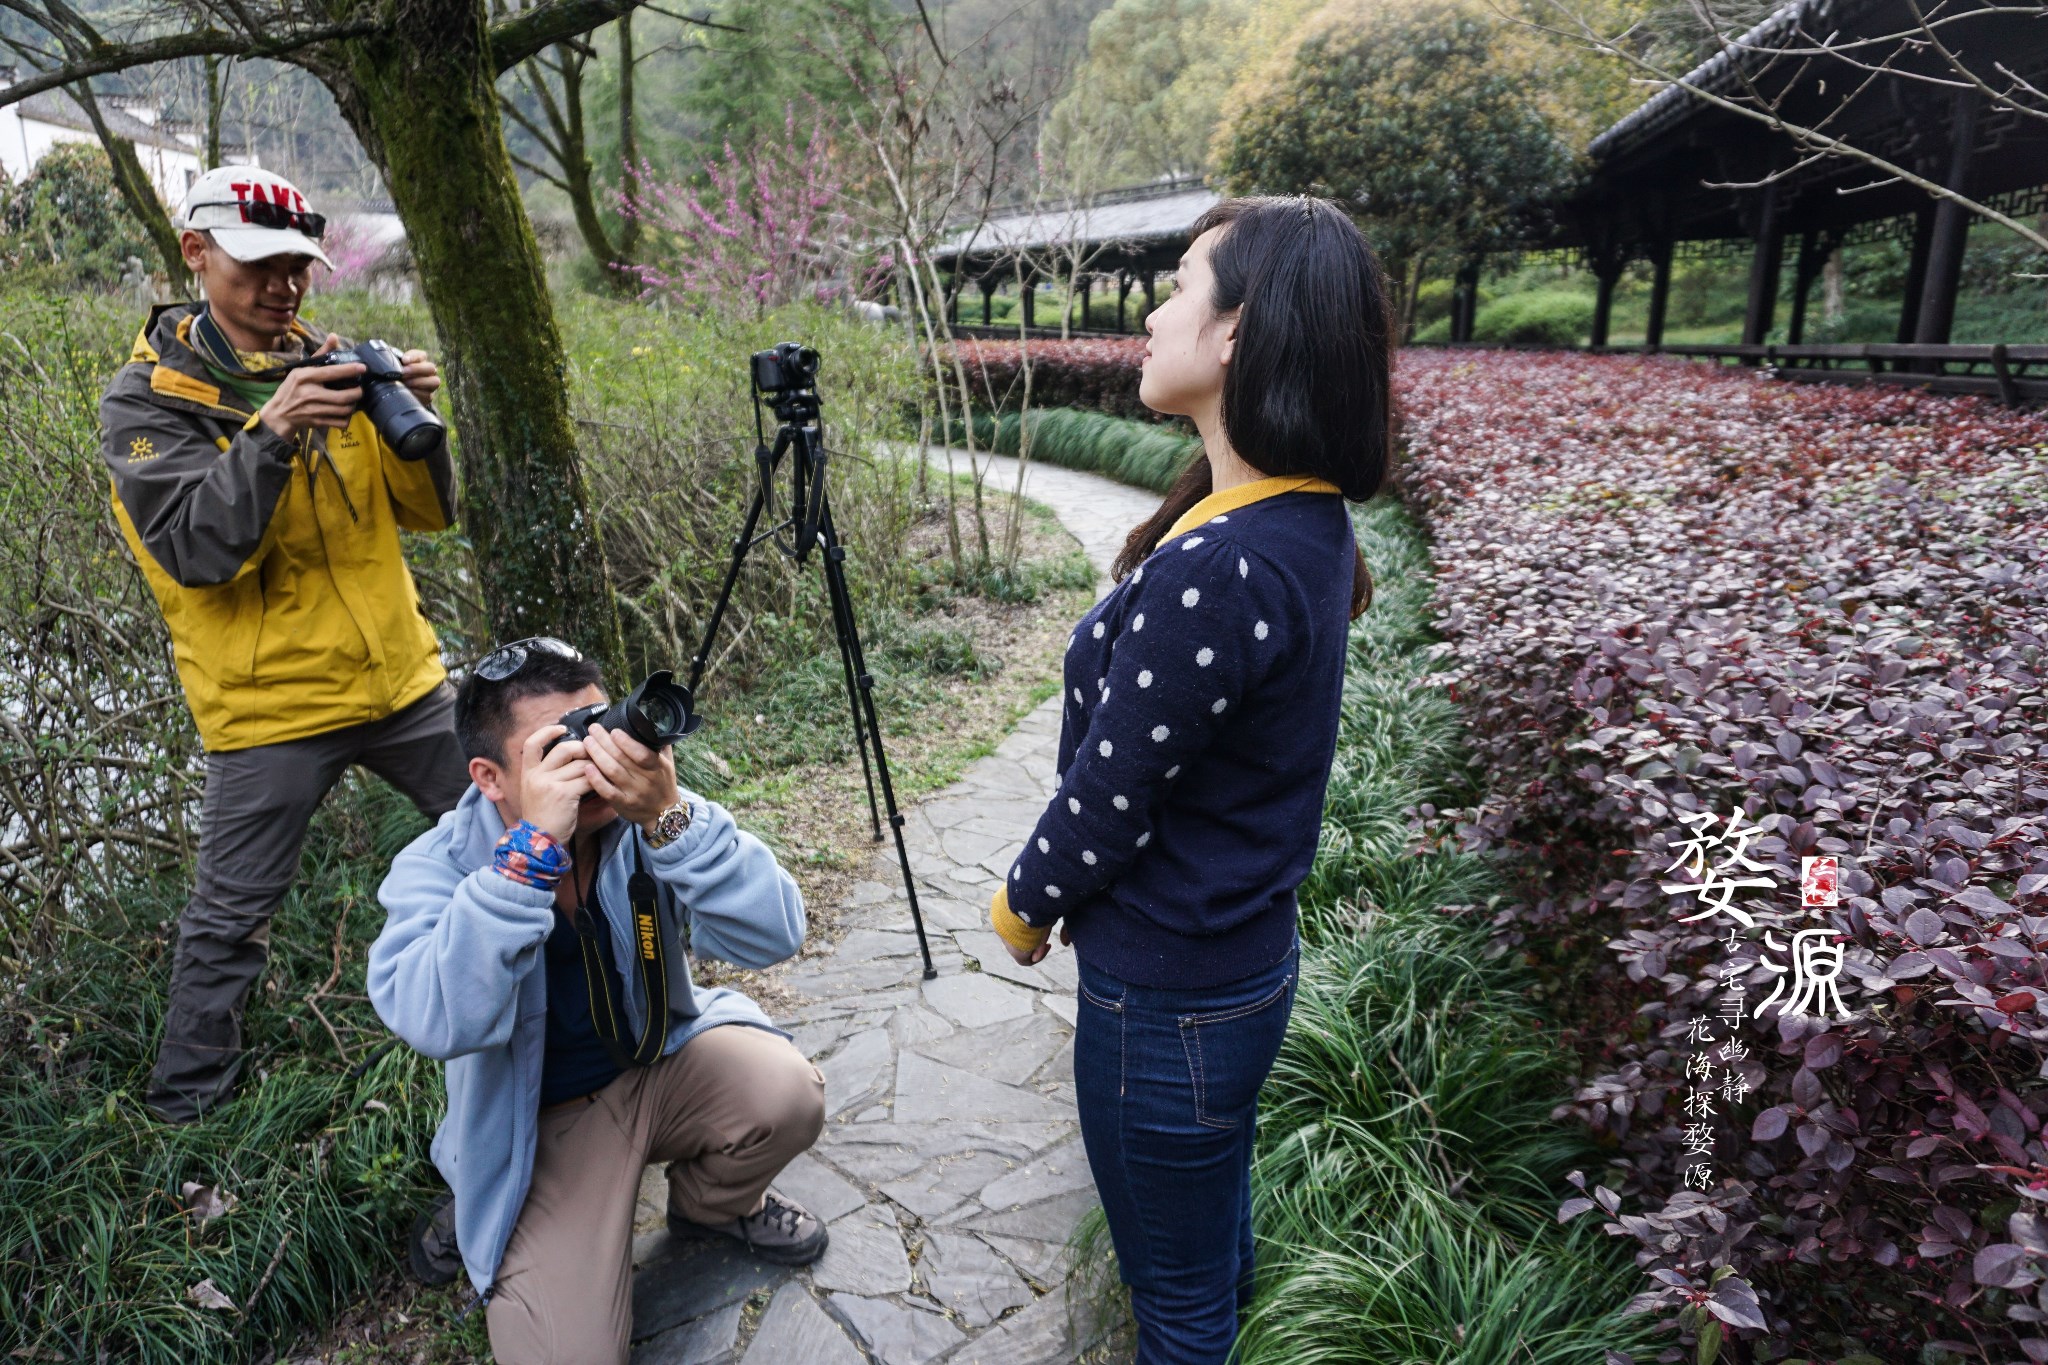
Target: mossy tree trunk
421	97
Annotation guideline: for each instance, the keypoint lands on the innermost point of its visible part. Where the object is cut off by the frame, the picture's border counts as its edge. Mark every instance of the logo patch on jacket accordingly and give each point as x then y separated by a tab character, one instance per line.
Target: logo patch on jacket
140	449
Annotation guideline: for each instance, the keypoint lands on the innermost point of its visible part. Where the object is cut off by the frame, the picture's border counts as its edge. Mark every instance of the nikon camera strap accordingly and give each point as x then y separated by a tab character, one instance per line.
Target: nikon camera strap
650	958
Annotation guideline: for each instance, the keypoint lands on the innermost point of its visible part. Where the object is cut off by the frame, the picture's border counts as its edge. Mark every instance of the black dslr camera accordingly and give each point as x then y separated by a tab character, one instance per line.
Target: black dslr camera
407	425
658	712
785	367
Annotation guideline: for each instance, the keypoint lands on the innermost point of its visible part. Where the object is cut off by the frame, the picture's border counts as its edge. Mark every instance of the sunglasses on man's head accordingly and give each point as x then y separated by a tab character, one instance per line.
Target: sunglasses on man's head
261	213
506	660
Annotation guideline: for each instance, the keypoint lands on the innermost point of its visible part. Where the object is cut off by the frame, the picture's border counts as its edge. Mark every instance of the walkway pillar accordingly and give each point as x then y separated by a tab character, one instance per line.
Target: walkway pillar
1916	273
1951	231
1814	246
1660	293
1763	266
988	291
1123	299
1030	299
1465	300
1607	273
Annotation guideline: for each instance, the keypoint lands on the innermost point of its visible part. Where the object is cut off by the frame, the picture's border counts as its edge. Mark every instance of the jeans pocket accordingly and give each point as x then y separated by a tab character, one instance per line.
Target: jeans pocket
1229	1052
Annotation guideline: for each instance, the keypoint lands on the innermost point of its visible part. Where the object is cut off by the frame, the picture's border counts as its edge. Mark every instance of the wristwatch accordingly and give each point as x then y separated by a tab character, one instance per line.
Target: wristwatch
667	827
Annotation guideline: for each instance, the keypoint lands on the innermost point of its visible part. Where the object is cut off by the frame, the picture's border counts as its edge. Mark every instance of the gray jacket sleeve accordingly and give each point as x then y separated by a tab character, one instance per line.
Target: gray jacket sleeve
200	511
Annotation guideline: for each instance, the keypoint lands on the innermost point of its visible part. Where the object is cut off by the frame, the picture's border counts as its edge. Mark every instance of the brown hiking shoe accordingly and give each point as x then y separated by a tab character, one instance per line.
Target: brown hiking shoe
431	1249
782	1232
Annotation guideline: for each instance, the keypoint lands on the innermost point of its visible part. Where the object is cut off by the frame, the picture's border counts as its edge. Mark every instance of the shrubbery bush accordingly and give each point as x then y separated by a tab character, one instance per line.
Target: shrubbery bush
1674	590
65	226
1146	455
1547	317
1096	373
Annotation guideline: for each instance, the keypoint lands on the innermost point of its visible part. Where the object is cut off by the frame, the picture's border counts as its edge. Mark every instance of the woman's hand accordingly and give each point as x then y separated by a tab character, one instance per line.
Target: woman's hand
1037	954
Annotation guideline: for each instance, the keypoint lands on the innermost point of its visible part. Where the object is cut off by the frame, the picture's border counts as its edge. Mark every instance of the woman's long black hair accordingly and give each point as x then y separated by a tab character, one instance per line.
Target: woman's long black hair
1308	389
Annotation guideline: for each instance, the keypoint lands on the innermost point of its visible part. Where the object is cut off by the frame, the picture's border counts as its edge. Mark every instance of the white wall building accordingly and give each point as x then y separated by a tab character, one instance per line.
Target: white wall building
170	152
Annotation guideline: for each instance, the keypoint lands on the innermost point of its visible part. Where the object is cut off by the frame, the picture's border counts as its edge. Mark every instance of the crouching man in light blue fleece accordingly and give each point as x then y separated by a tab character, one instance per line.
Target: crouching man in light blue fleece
550	1123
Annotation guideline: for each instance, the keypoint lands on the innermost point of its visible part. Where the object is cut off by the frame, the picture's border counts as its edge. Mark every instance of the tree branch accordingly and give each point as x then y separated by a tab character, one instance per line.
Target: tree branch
109	57
527	33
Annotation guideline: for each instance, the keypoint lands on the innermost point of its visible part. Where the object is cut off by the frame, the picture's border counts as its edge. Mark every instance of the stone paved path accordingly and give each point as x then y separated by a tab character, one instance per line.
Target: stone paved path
951	1170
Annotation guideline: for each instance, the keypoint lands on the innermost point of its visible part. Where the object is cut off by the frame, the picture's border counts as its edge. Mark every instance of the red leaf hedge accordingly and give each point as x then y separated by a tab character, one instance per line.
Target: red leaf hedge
1668	589
1094	373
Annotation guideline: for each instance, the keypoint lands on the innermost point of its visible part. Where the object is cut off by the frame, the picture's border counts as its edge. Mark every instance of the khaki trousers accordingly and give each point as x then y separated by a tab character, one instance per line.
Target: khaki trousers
727	1111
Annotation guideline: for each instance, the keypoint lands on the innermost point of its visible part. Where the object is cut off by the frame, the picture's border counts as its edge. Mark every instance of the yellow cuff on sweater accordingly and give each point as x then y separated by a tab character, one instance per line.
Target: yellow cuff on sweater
1012	930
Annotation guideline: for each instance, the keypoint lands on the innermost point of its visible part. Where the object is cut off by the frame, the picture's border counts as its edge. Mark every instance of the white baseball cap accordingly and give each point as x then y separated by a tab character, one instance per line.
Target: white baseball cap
253	214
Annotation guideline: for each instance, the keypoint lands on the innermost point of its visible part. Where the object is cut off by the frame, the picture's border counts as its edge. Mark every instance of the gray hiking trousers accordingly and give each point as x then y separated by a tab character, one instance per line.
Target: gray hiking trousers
253	821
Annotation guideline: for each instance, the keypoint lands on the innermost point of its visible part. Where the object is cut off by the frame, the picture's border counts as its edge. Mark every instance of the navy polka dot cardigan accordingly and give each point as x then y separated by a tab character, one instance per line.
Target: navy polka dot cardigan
1200	721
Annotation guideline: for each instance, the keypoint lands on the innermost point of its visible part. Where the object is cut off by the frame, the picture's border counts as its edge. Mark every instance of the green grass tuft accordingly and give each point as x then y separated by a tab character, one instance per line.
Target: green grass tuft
1408	1171
1138	453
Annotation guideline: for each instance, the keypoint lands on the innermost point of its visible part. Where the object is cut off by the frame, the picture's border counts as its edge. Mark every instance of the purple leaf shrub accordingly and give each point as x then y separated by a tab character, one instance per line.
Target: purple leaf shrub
1667	588
764	231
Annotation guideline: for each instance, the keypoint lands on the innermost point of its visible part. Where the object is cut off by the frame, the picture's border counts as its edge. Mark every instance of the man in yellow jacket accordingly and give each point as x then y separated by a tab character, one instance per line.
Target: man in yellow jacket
265	511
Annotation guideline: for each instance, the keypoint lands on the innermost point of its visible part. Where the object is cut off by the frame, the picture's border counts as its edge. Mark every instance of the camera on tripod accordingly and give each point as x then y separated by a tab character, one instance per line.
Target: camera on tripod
785	381
783	367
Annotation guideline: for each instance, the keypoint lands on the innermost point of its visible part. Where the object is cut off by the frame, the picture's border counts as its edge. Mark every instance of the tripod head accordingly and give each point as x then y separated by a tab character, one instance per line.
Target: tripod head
785	378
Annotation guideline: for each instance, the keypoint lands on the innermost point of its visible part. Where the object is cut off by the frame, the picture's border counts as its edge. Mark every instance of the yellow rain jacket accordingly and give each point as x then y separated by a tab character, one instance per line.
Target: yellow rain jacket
276	563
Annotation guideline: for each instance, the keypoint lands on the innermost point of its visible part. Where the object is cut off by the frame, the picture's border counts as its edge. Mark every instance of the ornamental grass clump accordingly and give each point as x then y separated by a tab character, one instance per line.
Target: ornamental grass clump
1674	591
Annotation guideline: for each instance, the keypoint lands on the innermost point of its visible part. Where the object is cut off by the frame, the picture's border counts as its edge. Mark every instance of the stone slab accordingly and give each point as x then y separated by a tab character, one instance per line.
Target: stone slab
986	948
1045	1262
865	1256
686	1279
1011	1052
707	1341
859	1071
796	1331
941	1186
819	1188
1066	1007
1050	1220
893	1334
976	999
1062	1170
927	1090
876	1152
962	1272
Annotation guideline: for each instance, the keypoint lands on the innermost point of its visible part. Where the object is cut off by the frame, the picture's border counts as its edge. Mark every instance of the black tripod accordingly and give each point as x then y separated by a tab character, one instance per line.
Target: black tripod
786	379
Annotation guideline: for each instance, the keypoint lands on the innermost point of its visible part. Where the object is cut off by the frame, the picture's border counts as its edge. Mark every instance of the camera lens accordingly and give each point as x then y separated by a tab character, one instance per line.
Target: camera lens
407	425
657	713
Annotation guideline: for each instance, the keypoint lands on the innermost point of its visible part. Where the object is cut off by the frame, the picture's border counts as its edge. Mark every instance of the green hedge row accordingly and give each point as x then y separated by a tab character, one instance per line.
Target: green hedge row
1137	453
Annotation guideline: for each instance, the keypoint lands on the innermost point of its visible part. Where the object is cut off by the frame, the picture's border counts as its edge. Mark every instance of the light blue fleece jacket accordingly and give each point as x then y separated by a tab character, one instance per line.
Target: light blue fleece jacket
458	974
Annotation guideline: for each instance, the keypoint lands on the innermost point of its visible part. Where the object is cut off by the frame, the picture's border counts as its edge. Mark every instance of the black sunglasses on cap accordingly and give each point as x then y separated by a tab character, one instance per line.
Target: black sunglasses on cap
261	213
506	660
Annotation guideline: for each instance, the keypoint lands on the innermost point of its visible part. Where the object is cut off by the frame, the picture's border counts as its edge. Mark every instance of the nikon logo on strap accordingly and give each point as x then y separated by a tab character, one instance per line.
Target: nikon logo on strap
651	961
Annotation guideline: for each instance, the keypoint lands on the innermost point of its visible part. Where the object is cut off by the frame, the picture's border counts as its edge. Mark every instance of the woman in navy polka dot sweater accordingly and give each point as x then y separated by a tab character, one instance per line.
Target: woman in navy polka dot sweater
1200	721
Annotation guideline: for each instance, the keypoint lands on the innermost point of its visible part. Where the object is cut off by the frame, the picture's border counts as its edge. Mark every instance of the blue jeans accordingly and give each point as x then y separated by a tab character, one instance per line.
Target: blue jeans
1168	1084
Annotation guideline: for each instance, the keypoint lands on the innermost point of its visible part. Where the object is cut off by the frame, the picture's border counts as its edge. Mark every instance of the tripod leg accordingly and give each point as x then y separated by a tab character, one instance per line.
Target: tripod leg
732	573
856	663
851	666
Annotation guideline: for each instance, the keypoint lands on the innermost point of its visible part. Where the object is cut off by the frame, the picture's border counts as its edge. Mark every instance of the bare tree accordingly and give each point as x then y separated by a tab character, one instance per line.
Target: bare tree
547	103
936	131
